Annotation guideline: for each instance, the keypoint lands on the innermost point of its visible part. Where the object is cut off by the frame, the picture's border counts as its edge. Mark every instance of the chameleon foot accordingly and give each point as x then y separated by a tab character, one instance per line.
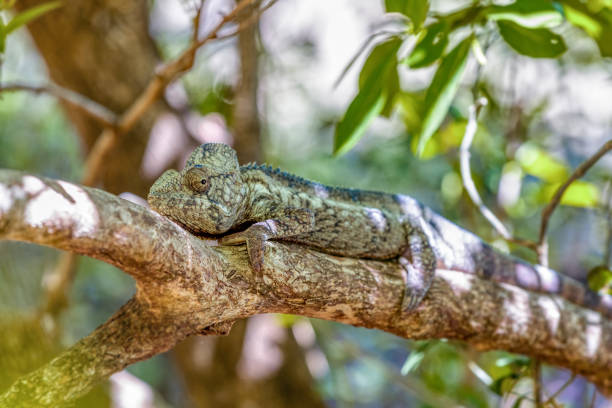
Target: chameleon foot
255	237
417	283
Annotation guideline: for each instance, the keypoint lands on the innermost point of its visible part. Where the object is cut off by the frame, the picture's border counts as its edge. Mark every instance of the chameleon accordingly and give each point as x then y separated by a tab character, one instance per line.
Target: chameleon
213	196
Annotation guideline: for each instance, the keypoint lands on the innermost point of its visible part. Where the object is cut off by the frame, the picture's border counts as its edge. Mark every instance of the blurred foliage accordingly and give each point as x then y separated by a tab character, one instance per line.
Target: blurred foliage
524	25
20	19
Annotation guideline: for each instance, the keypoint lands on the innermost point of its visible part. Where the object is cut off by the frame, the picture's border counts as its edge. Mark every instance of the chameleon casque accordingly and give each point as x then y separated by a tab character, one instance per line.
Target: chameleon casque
213	195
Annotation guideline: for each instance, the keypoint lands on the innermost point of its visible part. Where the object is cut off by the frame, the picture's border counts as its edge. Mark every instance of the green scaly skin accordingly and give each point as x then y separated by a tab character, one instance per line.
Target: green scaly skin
213	195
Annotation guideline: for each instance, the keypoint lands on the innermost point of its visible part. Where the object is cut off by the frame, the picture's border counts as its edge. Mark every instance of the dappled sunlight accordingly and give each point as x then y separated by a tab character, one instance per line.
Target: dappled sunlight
7	197
593	334
517	312
460	283
378	218
551	311
321	191
51	210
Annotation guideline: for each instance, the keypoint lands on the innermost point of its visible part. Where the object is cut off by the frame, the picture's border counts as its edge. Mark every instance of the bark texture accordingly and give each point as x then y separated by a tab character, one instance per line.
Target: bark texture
187	287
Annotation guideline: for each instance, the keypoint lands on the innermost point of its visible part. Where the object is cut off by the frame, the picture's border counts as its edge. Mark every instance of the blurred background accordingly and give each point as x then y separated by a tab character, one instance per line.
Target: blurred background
272	92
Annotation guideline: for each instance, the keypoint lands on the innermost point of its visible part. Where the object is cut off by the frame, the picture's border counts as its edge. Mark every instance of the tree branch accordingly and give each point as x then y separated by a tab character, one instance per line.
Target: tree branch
187	287
554	202
91	108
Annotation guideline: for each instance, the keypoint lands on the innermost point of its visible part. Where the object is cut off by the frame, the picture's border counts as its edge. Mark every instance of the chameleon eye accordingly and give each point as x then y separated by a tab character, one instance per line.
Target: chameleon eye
196	180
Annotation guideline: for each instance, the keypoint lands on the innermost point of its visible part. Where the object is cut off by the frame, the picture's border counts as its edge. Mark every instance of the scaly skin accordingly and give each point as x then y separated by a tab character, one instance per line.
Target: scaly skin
213	195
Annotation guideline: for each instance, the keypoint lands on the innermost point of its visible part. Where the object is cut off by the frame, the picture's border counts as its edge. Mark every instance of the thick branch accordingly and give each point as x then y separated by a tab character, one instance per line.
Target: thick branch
133	334
182	279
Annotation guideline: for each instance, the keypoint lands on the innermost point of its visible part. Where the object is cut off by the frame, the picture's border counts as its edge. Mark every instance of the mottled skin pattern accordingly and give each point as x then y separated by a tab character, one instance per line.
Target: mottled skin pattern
213	195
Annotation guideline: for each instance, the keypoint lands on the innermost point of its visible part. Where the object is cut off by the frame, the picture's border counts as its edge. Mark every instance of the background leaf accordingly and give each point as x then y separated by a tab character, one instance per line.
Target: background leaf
527	13
430	47
533	42
596	23
579	194
442	90
415	10
29	15
600	279
378	83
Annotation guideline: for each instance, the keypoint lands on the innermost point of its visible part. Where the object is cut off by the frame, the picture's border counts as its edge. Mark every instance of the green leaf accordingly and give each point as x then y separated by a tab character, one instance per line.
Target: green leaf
513	361
382	59
590	25
519	401
442	90
412	362
2	36
365	107
600	278
596	23
30	14
391	88
527	13
415	10
430	47
541	164
7	4
533	42
504	384
579	194
373	95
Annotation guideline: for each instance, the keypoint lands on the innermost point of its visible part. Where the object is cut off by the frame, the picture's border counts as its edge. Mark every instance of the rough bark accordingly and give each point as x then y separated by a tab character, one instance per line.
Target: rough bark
186	287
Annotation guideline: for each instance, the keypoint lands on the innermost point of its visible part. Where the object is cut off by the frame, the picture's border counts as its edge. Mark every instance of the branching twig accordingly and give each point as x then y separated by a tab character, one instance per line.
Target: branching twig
554	202
166	74
248	21
551	399
607	207
93	109
116	128
468	182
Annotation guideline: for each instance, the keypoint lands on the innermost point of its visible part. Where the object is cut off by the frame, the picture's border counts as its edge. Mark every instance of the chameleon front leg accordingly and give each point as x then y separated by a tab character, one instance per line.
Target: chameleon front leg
289	222
419	263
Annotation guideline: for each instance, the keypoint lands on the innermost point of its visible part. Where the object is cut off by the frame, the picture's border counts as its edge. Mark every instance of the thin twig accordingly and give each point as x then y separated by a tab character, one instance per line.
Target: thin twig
466	176
537	384
593	398
360	51
607	209
247	22
554	202
196	21
152	92
93	109
118	127
551	399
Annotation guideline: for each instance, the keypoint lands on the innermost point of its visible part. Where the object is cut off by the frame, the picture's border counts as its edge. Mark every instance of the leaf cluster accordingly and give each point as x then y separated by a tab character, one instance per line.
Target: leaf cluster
529	27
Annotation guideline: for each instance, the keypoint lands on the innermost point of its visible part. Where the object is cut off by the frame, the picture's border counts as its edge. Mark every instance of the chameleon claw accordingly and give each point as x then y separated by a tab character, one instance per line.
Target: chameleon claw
417	285
410	300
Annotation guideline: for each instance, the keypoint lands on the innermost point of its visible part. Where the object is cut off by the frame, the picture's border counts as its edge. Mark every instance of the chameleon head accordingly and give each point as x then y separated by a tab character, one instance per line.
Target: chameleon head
207	195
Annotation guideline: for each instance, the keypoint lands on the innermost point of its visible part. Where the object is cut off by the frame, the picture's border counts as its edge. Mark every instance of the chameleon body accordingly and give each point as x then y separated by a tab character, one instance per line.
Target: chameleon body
251	204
